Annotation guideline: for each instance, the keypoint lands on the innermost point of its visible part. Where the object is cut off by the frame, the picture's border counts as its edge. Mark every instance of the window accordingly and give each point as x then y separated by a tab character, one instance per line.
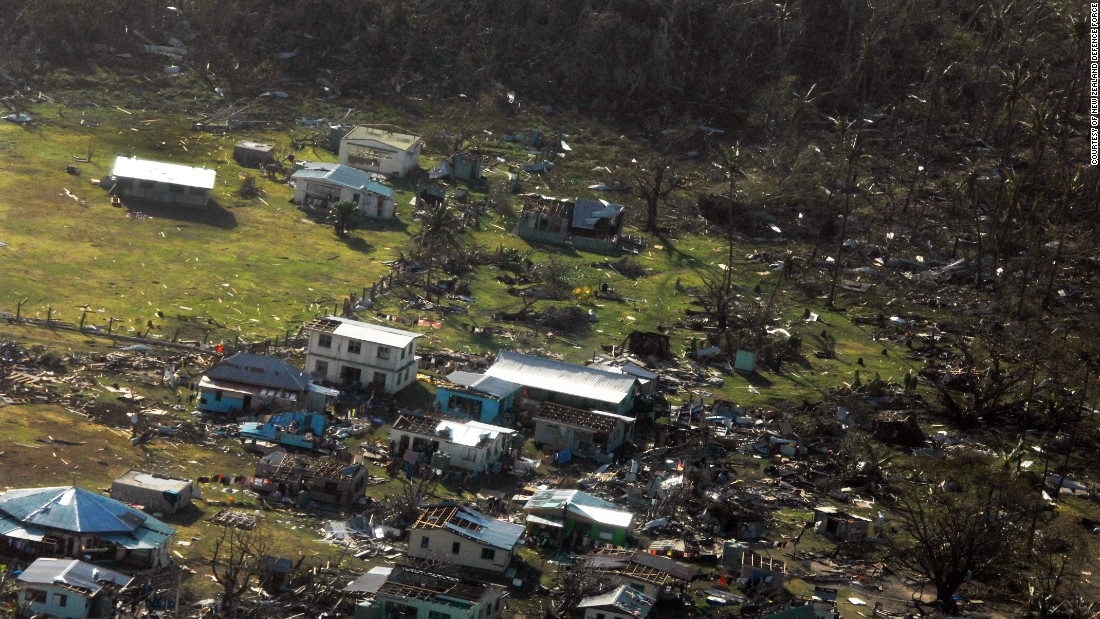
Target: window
403	351
384	352
600	616
176	188
424	542
196	191
324	340
355	348
488	554
145	184
35	595
455	547
350	375
435	614
218	396
321	367
60	599
380	379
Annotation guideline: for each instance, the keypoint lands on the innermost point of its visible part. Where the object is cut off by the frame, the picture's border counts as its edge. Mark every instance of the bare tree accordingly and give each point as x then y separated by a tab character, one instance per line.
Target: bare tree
657	174
235	561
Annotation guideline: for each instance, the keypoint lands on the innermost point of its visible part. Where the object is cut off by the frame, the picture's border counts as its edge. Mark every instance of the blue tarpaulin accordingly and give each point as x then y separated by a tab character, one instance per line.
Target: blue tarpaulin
565	456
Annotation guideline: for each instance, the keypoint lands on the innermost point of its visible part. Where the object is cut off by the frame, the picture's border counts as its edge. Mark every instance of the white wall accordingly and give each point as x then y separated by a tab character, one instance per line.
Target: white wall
399	370
440	542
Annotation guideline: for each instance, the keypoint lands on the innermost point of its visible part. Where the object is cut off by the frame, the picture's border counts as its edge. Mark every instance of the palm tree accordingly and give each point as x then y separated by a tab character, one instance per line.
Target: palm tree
438	238
343	216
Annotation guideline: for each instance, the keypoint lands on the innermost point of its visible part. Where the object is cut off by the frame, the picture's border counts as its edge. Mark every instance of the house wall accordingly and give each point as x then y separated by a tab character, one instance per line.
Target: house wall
490	407
162	192
580	439
75	604
440	543
373	156
474	459
398	372
424	607
150	499
229	402
369	203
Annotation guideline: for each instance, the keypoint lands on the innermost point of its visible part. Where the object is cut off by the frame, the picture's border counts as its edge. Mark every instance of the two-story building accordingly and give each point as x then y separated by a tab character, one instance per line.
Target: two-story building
378	150
410	593
457	534
67	588
350	353
459	443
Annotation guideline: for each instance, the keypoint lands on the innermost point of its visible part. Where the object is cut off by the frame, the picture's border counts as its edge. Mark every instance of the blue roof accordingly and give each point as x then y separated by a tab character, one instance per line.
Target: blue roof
344	176
76	510
260	370
471	524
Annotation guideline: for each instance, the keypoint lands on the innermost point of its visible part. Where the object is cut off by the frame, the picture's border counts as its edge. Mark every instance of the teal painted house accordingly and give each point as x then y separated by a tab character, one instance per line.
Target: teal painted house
476	396
247	383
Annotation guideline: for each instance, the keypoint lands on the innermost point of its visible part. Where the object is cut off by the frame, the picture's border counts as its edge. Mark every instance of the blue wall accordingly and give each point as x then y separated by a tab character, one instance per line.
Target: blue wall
228	402
490	408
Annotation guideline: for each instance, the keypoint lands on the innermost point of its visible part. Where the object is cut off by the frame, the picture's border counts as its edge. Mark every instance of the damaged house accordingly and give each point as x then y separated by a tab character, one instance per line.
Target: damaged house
654	575
591	434
571	518
757	570
72	522
840	525
324	480
457	534
409	593
372	149
464	444
589	225
361	355
317	186
621	603
476	396
558	382
246	383
68	588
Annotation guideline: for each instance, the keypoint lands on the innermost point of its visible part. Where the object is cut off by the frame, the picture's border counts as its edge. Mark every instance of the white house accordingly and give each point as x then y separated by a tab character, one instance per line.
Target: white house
353	353
156	493
621	603
170	183
70	588
463	443
378	150
319	185
457	534
409	593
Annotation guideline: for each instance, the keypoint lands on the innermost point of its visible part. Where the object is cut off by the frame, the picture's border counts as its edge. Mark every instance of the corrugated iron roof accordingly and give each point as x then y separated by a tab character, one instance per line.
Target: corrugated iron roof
344	176
587	213
471	524
86	577
400	141
70	509
260	370
363	331
489	385
157	171
580	504
624	599
562	377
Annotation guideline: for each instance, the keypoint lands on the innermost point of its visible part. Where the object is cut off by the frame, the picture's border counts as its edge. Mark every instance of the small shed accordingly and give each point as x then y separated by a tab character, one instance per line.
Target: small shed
155	493
840	525
253	154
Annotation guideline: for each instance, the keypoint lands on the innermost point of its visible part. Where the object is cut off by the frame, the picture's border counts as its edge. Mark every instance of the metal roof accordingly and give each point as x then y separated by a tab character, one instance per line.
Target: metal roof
172	173
70	509
582	504
489	385
260	370
400	141
161	483
256	146
88	578
471	524
371	581
587	213
344	176
363	331
468	433
624	599
562	377
596	421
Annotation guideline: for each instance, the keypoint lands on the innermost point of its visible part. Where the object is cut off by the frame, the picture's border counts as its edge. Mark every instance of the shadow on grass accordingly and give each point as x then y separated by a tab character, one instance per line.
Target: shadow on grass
373	224
356	243
756	379
213	214
186	517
